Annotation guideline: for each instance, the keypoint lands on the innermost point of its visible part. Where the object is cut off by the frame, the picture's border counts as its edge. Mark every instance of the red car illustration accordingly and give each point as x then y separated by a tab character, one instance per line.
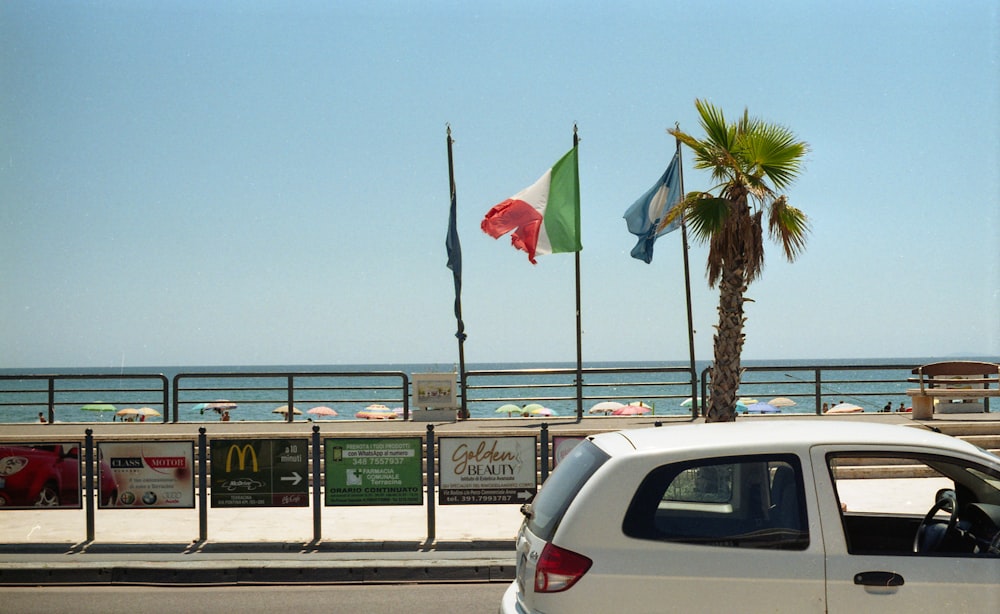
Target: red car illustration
45	475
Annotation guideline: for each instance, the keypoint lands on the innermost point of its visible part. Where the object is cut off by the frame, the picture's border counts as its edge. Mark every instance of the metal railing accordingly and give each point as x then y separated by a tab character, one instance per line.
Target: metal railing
812	386
558	387
288	388
61	396
50	395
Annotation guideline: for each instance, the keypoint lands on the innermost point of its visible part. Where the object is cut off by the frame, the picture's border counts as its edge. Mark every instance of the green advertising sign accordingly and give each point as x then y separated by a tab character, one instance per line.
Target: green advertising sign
260	473
362	471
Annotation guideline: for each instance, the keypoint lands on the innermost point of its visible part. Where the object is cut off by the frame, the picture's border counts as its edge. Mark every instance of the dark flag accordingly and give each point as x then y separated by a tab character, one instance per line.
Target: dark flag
454	245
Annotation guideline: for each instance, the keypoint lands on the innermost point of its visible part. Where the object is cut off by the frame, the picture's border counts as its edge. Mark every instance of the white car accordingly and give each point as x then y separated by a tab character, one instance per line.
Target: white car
787	515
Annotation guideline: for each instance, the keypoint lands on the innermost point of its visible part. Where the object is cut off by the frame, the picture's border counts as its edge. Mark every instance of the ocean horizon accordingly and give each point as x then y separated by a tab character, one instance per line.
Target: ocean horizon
437	367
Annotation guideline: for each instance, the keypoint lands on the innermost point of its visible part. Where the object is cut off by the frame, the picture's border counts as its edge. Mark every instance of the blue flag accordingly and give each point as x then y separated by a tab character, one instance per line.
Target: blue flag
644	216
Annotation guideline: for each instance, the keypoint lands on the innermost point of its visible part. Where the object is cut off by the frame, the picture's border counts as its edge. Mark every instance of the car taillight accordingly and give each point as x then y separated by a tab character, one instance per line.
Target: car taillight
558	569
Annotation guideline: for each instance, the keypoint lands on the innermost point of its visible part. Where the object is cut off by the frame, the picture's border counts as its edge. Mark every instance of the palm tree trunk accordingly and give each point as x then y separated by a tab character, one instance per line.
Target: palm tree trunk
728	344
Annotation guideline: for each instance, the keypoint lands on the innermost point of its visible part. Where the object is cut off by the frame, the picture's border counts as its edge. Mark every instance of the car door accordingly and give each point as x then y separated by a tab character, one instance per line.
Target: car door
871	502
722	534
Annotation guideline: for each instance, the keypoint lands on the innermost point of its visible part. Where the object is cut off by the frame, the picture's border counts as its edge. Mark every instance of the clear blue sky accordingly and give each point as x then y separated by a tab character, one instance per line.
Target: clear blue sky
192	183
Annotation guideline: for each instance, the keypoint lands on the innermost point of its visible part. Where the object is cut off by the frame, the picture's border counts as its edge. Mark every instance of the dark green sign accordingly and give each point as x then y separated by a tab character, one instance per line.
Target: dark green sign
374	471
260	472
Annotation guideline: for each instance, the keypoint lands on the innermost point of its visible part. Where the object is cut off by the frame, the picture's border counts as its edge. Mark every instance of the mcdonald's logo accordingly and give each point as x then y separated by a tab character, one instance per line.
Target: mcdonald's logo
241	456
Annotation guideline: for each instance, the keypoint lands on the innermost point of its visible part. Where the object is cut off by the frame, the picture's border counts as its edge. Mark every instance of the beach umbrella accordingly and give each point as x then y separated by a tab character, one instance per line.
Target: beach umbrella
631	410
508	408
542	411
376	411
98	407
530	407
128	411
221	405
284	410
217	406
781	402
148	411
762	408
845	408
746	401
605	407
687	402
322	410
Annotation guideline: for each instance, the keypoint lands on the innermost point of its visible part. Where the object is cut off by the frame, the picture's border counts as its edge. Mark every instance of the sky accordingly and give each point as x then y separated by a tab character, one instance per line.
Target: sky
266	183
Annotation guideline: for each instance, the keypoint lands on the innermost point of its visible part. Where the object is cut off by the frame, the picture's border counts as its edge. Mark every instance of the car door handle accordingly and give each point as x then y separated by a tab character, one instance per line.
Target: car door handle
878	578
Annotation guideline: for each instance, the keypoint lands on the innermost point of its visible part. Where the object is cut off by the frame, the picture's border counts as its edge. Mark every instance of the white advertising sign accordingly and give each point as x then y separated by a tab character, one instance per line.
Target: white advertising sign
487	470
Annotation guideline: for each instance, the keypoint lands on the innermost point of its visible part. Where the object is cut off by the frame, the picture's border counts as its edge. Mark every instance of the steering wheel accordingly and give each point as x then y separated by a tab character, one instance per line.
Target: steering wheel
946	500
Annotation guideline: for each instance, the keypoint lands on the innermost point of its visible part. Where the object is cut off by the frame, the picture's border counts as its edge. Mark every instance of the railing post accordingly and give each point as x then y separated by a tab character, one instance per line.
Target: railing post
431	532
202	485
88	456
290	416
176	386
705	375
317	501
166	399
545	451
818	391
52	400
406	397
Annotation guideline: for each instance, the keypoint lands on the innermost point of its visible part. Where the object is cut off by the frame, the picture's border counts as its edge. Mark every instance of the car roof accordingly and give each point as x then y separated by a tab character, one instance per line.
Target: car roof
760	433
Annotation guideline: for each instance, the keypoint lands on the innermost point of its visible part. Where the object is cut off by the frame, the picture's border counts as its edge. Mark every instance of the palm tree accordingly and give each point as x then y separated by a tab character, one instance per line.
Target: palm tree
751	160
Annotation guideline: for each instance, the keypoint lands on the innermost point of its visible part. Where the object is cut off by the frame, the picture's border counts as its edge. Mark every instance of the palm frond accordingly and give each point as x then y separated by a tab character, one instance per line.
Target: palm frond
713	122
774	154
705	214
789	227
753	250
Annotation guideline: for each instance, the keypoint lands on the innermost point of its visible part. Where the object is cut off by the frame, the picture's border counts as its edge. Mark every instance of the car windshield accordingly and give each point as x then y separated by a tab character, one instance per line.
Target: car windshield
559	490
985	485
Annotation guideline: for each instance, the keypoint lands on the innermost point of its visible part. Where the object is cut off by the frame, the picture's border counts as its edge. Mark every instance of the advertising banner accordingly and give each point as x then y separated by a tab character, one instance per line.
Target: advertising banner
40	475
435	390
260	472
151	474
362	471
481	470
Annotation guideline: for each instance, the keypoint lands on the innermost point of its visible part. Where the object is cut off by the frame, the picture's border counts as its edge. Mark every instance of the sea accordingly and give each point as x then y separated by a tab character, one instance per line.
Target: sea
258	391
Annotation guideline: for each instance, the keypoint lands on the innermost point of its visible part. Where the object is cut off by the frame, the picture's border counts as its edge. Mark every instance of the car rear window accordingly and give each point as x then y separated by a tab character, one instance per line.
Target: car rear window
560	489
744	502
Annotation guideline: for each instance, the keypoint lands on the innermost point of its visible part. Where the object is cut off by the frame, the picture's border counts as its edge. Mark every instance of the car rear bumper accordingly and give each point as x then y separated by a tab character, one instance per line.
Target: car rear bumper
509	604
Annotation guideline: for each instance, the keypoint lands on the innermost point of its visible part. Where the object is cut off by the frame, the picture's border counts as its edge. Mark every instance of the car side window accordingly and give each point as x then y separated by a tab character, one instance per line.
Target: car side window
902	504
740	502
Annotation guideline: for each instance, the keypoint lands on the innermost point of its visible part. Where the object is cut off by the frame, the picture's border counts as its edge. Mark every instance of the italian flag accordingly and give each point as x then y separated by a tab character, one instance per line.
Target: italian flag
545	217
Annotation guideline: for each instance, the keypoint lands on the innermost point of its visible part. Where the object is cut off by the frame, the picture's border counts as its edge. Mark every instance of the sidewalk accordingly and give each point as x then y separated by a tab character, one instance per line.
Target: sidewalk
263	545
275	545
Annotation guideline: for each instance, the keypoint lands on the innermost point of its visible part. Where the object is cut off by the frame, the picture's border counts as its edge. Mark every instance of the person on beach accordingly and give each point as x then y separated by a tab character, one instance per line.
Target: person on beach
225	416
41	418
826	407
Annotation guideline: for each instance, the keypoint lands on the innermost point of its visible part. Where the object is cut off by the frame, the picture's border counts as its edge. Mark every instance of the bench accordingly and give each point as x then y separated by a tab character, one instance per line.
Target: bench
961	380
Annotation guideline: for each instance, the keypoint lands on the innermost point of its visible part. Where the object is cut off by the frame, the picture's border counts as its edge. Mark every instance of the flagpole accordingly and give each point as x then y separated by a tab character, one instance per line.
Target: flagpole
455	264
687	285
579	322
